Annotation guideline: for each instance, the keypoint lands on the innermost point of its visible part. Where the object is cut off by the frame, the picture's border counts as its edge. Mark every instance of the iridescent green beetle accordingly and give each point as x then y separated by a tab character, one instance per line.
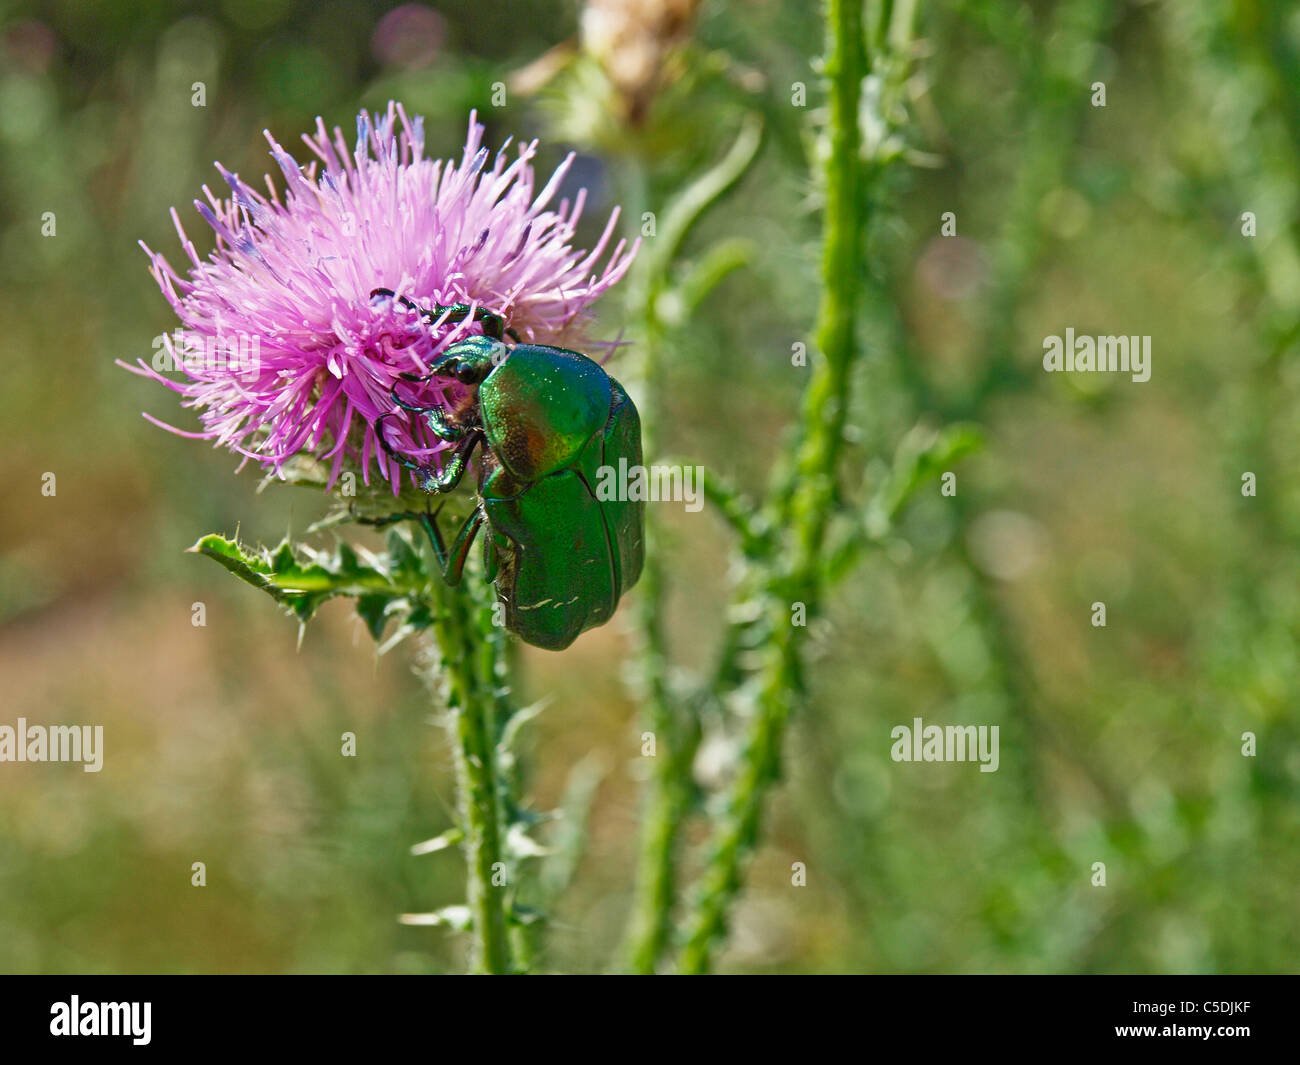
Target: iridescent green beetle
548	419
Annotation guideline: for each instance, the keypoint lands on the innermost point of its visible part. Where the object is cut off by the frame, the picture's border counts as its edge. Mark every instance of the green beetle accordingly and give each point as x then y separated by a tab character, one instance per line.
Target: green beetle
548	419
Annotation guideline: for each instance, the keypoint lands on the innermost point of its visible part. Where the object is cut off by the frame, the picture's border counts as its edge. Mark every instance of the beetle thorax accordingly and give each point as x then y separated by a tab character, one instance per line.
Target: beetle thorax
541	407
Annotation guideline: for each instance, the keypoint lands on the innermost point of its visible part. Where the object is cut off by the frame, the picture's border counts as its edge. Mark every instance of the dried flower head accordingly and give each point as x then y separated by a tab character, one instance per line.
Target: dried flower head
631	40
284	351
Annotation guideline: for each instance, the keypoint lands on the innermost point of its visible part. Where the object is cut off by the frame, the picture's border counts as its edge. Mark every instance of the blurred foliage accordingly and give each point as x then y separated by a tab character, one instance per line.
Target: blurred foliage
1120	745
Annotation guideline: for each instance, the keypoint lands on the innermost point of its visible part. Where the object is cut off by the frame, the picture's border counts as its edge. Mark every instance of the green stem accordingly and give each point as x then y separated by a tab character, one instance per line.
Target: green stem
670	791
467	664
824	412
667	796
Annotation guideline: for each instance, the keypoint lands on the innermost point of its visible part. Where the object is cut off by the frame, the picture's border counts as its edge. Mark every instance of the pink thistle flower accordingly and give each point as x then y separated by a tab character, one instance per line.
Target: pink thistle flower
287	290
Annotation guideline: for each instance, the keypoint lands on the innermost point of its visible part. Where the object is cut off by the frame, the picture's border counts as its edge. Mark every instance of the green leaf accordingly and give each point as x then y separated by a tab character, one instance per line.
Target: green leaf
373	609
922	455
301	578
678	304
736	509
703	193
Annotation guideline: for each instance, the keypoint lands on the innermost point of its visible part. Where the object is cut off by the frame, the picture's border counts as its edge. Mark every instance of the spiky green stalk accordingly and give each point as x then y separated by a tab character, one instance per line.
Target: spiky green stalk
811	502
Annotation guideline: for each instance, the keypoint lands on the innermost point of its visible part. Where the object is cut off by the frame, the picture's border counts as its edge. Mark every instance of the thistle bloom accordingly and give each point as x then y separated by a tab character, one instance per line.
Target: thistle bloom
288	288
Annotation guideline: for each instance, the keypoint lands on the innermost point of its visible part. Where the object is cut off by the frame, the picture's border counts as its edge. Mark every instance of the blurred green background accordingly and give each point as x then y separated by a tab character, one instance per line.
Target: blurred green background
1120	745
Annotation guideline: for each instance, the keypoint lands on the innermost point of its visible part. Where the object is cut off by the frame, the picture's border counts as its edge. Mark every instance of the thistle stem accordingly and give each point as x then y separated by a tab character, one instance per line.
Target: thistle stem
467	664
668	791
664	805
667	801
799	579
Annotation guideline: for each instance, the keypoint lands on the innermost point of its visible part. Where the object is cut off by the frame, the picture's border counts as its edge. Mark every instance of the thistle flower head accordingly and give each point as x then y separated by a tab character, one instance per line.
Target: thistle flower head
283	350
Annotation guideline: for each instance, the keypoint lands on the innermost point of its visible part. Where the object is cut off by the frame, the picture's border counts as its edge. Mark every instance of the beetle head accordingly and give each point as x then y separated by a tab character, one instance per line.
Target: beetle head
469	361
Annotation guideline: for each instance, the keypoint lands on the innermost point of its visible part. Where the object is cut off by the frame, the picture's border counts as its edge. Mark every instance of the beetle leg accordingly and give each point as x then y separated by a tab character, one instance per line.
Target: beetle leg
491	555
427	479
402	515
434	417
452	563
387	519
452	472
493	324
443	427
388	293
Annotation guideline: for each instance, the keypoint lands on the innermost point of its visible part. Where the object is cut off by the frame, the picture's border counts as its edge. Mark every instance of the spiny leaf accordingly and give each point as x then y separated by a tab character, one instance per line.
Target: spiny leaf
439	842
419	616
922	455
517	720
519	844
526	915
373	609
402	553
457	917
301	578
